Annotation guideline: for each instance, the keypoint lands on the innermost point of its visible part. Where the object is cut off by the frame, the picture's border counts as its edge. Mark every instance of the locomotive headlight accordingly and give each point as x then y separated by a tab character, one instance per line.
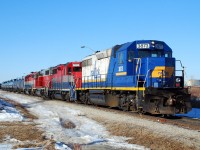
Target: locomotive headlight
152	42
178	80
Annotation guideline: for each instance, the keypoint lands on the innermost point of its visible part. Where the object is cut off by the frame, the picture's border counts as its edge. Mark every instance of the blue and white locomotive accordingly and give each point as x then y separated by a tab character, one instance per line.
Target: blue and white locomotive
138	76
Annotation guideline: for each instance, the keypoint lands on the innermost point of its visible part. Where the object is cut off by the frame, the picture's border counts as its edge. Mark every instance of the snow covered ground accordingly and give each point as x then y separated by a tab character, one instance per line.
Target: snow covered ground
8	112
87	133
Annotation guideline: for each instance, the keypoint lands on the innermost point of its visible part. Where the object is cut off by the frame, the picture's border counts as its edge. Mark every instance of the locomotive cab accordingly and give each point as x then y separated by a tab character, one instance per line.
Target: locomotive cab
164	91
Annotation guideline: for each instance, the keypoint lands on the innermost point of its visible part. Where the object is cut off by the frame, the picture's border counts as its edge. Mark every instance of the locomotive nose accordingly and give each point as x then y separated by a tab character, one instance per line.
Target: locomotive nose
160	72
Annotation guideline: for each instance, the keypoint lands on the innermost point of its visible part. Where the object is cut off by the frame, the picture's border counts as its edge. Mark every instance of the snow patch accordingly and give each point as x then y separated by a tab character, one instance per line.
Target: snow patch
8	112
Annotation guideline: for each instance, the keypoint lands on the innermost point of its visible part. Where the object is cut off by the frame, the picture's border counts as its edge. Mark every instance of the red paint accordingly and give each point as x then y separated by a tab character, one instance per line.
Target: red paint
30	79
71	71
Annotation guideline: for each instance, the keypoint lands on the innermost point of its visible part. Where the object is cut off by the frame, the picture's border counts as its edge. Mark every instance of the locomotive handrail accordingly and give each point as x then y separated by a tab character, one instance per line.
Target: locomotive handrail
95	81
136	68
146	77
183	71
180	63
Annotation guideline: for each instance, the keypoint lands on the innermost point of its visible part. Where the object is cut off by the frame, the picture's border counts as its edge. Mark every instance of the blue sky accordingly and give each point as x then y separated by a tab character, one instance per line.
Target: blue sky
37	34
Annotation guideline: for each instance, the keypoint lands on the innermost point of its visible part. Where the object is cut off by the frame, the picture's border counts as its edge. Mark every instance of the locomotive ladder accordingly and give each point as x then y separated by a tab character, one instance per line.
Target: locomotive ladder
138	70
73	95
139	94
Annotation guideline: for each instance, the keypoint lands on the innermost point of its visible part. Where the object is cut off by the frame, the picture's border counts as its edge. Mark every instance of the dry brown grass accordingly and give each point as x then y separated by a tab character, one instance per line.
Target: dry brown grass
20	131
27	132
141	136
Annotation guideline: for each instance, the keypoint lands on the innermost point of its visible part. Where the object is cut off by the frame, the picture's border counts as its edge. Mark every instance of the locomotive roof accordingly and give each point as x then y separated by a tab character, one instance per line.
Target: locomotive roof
133	45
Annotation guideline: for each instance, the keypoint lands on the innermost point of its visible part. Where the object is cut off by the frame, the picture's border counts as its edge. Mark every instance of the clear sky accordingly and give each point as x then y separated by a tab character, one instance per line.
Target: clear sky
37	34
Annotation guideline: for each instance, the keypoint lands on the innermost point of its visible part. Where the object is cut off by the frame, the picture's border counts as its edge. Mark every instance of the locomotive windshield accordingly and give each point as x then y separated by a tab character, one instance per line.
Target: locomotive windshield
157	53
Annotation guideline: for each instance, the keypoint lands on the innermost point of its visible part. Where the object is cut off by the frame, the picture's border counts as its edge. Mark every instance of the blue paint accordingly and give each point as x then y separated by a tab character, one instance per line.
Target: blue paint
194	113
141	65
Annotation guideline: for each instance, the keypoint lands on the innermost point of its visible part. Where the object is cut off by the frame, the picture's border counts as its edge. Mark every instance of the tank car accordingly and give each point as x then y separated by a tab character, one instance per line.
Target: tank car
14	85
139	76
18	85
7	85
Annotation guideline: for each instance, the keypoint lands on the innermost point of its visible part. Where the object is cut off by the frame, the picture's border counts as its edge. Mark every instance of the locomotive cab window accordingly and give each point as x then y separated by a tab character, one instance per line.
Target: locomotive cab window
47	72
147	53
130	56
156	54
54	71
120	58
69	70
77	69
143	53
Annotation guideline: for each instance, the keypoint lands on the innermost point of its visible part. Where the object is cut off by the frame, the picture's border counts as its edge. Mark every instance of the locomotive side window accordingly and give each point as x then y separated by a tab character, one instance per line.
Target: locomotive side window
87	62
47	72
120	58
54	71
84	63
168	54
130	56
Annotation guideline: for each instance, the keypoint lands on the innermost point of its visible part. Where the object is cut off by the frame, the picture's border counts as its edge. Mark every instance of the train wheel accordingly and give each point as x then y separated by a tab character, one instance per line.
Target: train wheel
84	98
124	104
67	97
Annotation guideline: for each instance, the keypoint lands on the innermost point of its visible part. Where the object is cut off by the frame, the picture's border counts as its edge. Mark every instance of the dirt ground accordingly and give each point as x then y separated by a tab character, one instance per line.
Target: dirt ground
144	137
26	132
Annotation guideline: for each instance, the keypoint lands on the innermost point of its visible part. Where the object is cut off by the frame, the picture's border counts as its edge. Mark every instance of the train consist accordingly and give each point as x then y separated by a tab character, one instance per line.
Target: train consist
139	76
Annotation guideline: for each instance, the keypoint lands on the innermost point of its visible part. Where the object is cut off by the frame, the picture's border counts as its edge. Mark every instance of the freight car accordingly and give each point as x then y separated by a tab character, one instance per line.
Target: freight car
7	85
139	76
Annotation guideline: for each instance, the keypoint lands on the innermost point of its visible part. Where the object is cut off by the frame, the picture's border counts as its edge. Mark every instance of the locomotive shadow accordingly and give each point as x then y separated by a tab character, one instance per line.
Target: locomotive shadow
29	105
164	116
